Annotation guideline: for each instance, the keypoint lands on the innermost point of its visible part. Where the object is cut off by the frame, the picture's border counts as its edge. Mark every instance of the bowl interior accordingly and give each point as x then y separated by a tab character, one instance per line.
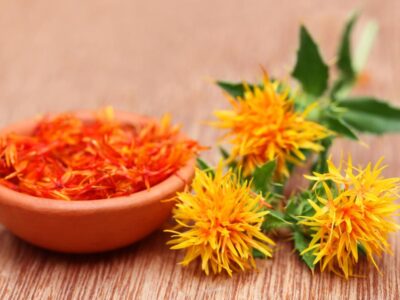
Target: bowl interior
173	183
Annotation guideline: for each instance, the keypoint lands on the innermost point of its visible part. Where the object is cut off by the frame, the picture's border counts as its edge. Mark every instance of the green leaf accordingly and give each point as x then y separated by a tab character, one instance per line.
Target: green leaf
258	254
310	69
275	220
237	89
233	89
344	62
301	243
224	153
299	206
202	165
350	65
340	126
345	65
361	249
341	87
365	44
370	115
262	176
321	164
293	207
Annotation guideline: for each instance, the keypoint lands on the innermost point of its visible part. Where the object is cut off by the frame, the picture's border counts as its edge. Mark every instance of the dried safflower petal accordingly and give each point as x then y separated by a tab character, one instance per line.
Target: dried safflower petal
67	158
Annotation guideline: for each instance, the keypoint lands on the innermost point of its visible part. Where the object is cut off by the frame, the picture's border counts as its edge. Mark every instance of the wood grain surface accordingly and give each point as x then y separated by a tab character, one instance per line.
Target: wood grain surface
154	57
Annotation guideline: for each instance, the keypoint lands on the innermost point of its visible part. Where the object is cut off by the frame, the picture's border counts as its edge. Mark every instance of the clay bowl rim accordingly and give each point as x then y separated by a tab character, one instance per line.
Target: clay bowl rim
173	183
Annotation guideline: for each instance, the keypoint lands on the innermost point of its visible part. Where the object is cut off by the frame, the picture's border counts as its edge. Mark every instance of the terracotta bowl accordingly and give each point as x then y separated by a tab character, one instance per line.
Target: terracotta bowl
89	226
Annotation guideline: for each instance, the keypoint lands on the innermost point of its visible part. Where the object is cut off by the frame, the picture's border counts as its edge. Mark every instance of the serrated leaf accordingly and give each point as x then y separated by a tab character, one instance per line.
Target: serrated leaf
202	165
301	243
236	89
310	69
340	126
345	62
370	115
258	254
275	220
341	87
233	89
361	249
347	72
293	207
299	206
262	176
223	152
364	45
321	164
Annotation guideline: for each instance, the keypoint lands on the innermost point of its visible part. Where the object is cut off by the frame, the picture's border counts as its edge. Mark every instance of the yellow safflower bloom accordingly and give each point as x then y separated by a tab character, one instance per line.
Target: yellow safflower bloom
263	126
355	210
220	222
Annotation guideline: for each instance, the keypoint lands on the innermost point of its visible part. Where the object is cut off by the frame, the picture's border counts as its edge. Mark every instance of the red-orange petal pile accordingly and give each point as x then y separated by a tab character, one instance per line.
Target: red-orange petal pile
67	158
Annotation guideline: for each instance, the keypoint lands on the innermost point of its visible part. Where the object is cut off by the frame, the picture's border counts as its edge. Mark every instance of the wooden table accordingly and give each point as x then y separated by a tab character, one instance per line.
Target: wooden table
159	56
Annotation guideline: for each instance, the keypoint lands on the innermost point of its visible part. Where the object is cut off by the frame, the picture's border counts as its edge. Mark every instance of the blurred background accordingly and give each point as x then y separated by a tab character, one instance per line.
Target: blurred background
153	57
